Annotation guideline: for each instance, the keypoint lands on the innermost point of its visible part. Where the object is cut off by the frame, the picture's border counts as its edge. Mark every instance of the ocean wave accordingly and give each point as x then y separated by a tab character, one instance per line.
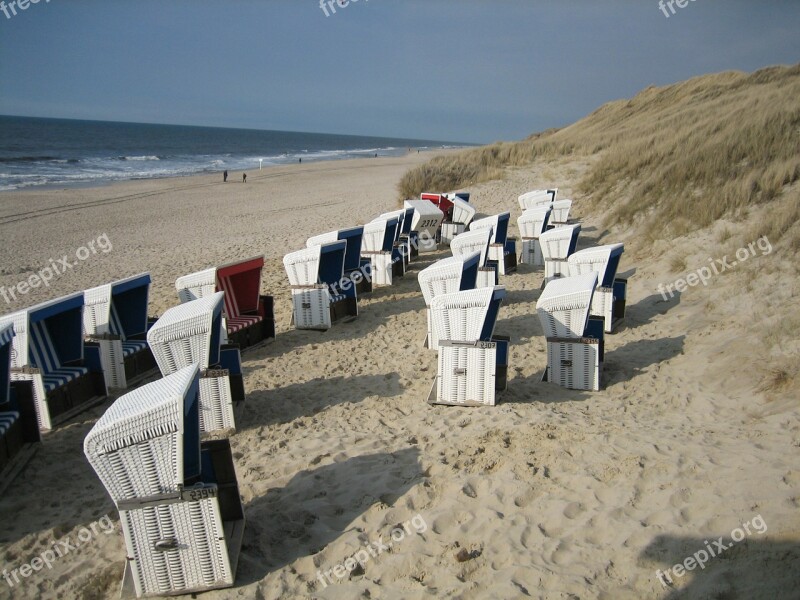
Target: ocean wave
27	159
140	158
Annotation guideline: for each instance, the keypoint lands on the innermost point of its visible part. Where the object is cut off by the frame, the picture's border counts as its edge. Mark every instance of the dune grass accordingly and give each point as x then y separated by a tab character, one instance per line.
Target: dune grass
673	158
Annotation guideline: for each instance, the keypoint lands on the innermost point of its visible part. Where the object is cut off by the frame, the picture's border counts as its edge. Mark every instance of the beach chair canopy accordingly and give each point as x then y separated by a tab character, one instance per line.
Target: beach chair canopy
427	216
559	242
353	236
6	338
379	235
397	215
463	212
537	197
316	265
603	260
48	336
148	441
561	210
197	285
188	333
497	223
442	202
118	308
533	221
472	241
564	305
467	316
453	274
241	282
460	195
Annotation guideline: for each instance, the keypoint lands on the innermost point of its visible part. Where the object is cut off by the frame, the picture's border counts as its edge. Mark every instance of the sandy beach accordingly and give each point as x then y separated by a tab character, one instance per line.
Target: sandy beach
551	494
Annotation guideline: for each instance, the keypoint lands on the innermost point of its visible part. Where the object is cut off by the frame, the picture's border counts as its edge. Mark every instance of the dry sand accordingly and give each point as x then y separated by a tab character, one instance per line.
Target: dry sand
553	493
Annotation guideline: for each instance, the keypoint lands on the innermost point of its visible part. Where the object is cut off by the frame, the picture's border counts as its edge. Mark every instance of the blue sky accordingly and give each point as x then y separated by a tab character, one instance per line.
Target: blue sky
433	69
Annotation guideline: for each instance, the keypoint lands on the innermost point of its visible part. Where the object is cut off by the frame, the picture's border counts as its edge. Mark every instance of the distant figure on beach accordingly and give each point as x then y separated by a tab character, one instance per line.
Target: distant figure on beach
244	177
376	155
300	159
225	177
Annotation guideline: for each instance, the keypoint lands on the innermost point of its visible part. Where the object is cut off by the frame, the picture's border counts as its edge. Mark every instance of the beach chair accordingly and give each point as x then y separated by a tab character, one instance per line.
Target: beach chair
321	295
401	243
426	221
461	216
472	362
560	213
574	339
178	498
608	300
356	267
19	429
49	350
453	274
249	315
533	223
536	198
502	248
191	333
441	201
378	246
477	241
557	245
115	317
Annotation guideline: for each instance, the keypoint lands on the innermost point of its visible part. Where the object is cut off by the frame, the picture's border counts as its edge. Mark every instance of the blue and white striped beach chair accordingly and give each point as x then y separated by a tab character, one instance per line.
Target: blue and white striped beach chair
191	333
356	268
19	429
608	301
178	498
453	274
50	351
321	294
575	344
378	245
557	246
115	316
532	224
472	361
477	241
502	249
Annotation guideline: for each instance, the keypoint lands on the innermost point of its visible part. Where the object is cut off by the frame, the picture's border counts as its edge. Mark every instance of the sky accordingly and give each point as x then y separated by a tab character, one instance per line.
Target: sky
466	70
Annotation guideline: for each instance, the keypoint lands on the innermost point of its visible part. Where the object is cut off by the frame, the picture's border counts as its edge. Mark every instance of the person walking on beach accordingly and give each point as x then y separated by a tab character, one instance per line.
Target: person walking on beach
225	177
244	177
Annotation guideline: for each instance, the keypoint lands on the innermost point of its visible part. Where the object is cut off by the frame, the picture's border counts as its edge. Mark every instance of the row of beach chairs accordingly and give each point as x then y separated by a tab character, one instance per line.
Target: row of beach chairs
583	298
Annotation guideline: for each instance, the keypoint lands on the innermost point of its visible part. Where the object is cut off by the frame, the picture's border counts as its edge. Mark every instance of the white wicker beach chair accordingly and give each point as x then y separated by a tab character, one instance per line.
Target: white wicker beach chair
191	333
248	315
533	223
180	511
536	198
454	274
502	248
608	301
463	214
574	340
49	350
402	243
115	316
321	294
560	214
356	267
472	361
426	221
378	246
557	245
477	241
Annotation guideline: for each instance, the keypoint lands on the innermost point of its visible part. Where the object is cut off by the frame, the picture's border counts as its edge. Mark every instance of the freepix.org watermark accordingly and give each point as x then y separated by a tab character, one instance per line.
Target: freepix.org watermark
10	9
712	550
56	268
325	5
663	4
372	550
58	549
717	266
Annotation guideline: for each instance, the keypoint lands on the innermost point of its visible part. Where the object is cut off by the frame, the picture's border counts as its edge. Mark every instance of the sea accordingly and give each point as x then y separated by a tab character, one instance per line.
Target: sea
65	152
